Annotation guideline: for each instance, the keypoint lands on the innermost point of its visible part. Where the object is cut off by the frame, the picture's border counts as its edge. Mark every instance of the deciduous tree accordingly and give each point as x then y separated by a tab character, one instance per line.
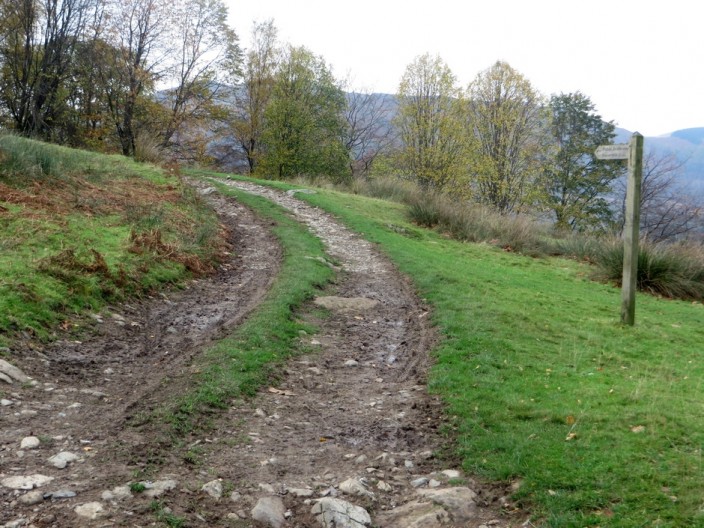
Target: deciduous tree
429	123
369	132
304	120
252	97
206	54
668	210
506	120
137	52
36	51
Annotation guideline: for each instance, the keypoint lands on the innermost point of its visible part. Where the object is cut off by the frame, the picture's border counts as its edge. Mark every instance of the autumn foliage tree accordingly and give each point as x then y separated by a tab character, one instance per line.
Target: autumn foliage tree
429	122
38	40
505	116
204	55
253	95
86	72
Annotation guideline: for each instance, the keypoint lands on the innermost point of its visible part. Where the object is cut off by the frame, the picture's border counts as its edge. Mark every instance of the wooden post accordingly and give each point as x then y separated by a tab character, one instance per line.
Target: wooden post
631	230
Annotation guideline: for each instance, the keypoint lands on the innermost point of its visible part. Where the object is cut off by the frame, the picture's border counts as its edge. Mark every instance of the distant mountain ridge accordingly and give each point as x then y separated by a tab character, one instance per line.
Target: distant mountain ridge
687	144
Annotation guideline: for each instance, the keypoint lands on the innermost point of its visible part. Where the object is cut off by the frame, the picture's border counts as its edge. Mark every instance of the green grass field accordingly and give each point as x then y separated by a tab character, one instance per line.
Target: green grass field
600	423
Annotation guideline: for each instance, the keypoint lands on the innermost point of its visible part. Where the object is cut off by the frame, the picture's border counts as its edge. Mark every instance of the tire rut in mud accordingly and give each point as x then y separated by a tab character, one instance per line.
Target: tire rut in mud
90	388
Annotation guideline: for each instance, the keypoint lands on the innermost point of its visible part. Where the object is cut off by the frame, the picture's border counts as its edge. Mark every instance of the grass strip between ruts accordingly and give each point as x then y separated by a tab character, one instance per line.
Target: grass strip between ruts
240	364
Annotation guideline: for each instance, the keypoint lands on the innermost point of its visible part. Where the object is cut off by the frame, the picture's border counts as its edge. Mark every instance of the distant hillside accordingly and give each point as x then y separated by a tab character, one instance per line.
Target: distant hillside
686	144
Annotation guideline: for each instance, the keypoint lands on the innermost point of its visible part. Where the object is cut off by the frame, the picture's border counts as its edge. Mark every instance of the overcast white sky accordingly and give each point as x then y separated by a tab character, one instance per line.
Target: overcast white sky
640	62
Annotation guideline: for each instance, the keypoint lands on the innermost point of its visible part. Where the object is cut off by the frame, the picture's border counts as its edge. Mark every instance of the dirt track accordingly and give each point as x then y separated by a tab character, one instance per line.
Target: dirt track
356	410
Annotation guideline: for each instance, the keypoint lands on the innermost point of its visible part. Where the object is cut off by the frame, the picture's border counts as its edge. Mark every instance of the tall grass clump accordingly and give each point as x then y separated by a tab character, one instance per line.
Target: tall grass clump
674	271
470	222
22	159
148	149
390	188
579	246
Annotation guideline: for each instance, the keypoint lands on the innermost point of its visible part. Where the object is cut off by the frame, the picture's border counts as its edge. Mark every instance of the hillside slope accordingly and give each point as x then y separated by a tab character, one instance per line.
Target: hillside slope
81	229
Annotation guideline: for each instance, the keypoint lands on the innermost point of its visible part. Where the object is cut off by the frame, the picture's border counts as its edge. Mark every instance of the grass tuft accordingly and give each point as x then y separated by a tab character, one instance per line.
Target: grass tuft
470	222
673	271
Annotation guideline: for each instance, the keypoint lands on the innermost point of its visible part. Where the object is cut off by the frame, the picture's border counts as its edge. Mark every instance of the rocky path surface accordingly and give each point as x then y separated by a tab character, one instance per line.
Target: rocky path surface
347	438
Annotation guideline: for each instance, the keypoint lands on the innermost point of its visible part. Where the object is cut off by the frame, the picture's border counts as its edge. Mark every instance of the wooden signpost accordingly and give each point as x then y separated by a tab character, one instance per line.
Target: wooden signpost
633	152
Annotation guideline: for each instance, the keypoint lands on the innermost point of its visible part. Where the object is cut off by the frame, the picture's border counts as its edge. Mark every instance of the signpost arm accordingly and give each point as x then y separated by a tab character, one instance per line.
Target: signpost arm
631	230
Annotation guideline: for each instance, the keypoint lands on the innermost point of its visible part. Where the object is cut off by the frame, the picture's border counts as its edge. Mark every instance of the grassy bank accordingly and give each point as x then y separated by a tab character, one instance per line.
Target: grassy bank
79	229
600	424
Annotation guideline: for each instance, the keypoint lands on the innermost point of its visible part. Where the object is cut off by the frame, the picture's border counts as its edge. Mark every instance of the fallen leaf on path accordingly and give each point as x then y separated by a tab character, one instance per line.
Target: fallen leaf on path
638	429
281	392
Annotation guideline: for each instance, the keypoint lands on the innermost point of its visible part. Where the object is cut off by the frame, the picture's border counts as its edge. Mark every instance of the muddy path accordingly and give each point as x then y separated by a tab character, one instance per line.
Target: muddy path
348	437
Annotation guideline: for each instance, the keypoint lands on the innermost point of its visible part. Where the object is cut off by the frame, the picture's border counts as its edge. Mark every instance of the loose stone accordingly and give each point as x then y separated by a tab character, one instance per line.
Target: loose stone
158	488
270	511
12	372
417	483
416	514
451	473
26	482
90	510
346	304
213	488
17	523
386	459
117	493
301	492
32	497
383	486
267	488
459	502
61	494
29	442
337	513
61	460
354	486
